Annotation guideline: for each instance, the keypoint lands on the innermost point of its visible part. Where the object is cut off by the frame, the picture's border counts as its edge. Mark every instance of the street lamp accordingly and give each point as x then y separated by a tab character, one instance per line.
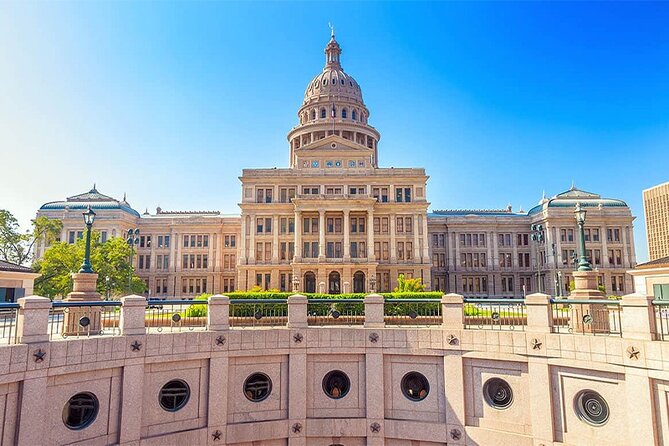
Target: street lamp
89	218
583	264
538	238
133	240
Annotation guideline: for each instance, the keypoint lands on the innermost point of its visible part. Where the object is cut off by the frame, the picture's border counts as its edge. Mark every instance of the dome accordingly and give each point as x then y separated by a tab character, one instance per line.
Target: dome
333	81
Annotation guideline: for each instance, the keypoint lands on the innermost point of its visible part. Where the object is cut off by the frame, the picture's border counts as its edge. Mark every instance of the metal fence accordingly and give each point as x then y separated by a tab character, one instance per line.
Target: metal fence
8	317
494	314
69	319
593	317
258	313
175	315
661	309
322	312
412	312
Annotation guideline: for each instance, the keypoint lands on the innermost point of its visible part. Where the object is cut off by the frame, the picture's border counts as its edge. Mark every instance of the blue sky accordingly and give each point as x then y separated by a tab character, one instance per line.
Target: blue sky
169	101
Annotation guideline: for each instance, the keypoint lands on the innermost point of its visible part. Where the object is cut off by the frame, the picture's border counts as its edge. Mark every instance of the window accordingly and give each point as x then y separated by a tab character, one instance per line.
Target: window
257	387
524	259
497	393
505	260
229	241
403	194
336	384
507	284
174	395
570	235
591	408
415	386
323	112
343	113
595	235
80	411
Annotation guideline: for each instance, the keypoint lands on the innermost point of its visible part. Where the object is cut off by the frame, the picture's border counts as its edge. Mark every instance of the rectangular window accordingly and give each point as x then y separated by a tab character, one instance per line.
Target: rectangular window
167	241
595	235
70	237
205	241
185	241
260	225
400	225
384	225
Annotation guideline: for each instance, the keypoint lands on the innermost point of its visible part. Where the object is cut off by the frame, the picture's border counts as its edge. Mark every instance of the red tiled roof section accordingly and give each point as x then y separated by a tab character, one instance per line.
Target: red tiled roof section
7	266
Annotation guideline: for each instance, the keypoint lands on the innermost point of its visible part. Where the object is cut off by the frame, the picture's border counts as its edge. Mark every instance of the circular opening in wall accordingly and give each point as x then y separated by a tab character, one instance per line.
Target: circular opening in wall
80	410
415	386
174	395
336	384
498	393
333	145
257	387
591	408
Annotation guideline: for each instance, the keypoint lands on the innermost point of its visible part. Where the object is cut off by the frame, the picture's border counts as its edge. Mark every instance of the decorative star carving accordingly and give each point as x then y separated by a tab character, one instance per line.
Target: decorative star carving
220	340
633	352
536	344
374	338
216	435
296	428
456	434
297	337
375	427
136	346
39	355
452	339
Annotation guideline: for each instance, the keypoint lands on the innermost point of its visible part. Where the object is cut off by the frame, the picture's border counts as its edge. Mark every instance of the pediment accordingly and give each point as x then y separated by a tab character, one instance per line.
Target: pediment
334	143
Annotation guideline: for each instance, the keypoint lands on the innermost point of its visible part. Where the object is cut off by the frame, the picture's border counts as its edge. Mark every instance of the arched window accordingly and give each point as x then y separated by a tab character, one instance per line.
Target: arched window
354	115
323	113
334	283
344	113
313	114
309	282
359	281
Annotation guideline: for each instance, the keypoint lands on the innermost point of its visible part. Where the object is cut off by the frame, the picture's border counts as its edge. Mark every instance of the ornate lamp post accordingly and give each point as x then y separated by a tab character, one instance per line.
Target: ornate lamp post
538	238
133	240
583	264
89	218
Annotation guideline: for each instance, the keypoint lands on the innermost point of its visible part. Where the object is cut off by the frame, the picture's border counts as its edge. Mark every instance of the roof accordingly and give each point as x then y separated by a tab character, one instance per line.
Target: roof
92	198
574	196
476	213
13	267
657	263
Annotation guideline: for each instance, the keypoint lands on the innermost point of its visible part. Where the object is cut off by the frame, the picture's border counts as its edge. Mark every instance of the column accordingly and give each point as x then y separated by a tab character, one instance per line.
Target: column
178	248
275	239
31	429
393	242
132	397
347	231
252	240
456	259
605	248
370	237
426	241
242	242
210	266
173	251
375	391
495	250
321	235
298	236
626	263
416	242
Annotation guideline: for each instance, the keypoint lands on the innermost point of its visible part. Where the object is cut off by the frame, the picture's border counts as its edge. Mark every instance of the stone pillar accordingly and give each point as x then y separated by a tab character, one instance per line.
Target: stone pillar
275	240
416	254
452	311
132	398
321	235
375	389
84	290
297	311
133	310
454	387
585	288
605	249
374	304
218	313
638	316
426	240
252	240
347	235
539	312
393	239
242	242
298	236
370	237
32	416
541	412
641	421
456	259
32	324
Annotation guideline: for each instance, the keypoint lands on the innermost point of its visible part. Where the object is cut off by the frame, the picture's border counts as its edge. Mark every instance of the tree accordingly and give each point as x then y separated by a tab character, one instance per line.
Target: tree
110	259
409	285
17	247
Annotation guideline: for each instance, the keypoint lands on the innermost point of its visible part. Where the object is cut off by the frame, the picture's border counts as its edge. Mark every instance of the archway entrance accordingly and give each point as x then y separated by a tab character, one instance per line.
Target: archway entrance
309	282
334	283
359	282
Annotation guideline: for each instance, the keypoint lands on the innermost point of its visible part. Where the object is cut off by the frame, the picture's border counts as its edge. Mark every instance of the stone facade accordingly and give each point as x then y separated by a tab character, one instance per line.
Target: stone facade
334	221
542	376
656	208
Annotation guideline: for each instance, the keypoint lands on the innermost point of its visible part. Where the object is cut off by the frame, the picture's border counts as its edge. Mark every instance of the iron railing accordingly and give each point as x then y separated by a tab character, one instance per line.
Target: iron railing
594	317
661	309
258	312
8	317
321	312
494	314
175	315
412	312
68	319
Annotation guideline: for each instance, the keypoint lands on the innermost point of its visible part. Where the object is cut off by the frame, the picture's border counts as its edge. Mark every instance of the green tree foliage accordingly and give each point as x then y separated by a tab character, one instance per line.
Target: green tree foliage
17	247
110	259
409	285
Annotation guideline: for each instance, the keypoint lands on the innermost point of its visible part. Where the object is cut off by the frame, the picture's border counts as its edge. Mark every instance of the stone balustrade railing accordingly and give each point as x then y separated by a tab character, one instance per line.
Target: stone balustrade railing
634	316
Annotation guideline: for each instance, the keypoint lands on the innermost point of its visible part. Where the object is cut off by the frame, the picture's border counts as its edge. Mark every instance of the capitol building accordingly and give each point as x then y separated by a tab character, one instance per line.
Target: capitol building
334	221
